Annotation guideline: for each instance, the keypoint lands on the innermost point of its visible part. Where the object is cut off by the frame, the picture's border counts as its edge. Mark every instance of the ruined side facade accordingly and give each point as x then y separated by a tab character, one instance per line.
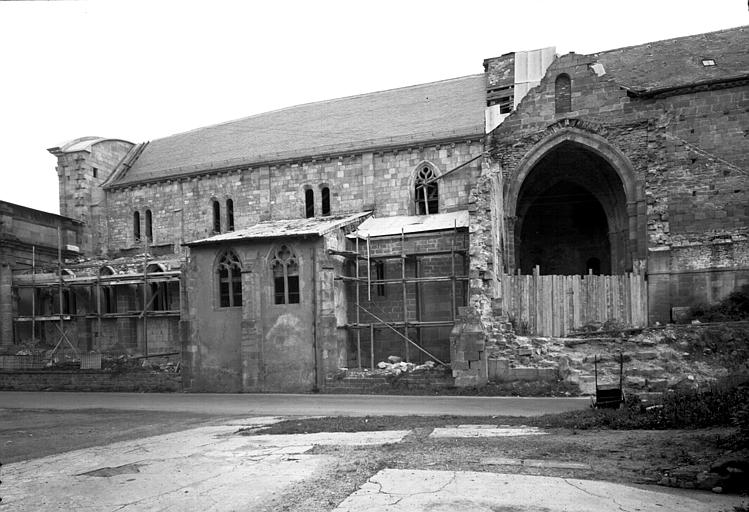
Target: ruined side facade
629	163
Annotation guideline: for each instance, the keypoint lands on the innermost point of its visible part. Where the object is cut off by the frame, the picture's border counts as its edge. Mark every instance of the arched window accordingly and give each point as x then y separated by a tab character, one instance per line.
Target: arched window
285	276
309	202
325	193
229	215
136	226
106	296
149	227
229	281
563	94
426	191
216	217
159	297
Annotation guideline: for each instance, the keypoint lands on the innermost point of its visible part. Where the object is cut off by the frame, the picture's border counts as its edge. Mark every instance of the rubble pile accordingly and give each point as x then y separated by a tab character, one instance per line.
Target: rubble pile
655	360
36	356
398	367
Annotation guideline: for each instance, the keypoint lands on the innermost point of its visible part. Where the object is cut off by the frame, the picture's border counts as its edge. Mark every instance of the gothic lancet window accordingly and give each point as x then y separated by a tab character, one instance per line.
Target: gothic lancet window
149	226
229	273
229	215
309	203
216	217
285	269
426	191
325	193
136	226
563	94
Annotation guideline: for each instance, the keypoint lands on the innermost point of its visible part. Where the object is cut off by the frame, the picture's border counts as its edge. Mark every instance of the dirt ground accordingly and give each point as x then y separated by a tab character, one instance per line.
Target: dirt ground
631	457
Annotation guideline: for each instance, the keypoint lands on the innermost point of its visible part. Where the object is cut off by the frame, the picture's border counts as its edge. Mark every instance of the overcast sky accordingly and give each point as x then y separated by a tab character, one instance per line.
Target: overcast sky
143	70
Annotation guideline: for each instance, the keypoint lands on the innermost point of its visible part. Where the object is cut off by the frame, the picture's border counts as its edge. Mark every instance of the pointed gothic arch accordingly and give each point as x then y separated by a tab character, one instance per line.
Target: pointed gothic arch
574	199
285	273
228	275
424	189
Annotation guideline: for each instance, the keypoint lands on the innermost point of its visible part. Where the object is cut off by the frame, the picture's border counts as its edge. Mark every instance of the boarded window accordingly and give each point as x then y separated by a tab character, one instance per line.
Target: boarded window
563	94
285	277
426	192
216	217
325	192
229	215
229	281
309	203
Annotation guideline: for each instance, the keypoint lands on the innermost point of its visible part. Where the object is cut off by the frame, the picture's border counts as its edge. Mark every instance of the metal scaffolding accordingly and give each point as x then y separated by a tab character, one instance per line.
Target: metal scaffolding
63	283
401	326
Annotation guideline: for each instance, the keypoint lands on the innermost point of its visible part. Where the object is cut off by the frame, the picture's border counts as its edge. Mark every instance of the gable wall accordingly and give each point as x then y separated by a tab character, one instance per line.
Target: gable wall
688	155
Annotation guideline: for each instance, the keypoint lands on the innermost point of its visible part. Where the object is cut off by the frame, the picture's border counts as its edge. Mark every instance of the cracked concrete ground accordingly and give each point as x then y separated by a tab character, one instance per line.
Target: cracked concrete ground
212	468
393	490
207	469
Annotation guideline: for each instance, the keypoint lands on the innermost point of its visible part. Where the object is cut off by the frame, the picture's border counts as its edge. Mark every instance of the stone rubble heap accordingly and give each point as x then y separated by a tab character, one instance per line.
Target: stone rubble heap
655	360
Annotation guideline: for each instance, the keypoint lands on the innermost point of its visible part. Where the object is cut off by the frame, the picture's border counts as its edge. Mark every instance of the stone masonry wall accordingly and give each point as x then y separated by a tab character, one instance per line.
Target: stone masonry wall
80	176
382	181
686	150
432	301
90	380
686	158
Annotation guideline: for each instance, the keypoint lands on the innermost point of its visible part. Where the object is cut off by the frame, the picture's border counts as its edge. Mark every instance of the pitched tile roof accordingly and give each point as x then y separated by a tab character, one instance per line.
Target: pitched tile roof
438	110
315	226
449	108
675	63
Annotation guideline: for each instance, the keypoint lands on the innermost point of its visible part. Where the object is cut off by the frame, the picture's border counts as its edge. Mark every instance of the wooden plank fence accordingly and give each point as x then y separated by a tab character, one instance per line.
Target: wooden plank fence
556	305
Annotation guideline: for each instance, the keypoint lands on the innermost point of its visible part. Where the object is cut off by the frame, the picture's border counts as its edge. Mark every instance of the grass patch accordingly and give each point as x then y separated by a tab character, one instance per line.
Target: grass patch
722	404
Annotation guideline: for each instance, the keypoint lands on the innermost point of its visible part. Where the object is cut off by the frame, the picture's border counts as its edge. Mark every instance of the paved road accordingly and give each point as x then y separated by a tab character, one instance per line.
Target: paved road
291	405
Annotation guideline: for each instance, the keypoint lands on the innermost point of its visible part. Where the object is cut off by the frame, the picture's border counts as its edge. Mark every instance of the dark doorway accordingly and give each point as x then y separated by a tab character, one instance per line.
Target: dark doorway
571	215
563	229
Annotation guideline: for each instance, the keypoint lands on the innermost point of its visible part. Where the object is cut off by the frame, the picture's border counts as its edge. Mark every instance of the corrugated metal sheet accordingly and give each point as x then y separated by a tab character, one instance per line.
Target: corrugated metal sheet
389	226
315	226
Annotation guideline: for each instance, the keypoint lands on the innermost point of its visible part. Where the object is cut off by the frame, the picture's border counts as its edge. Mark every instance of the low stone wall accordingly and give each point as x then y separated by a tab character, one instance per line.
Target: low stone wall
366	382
90	380
501	371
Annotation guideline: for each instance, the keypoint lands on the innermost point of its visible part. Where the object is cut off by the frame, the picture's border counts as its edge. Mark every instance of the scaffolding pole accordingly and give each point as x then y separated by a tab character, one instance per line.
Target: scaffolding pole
405	293
369	273
61	326
389	326
33	295
59	274
98	307
452	271
400	328
358	332
145	295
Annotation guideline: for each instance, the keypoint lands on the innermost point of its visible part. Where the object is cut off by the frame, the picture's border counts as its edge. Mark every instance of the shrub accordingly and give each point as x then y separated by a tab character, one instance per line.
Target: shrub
741	420
723	403
714	406
732	308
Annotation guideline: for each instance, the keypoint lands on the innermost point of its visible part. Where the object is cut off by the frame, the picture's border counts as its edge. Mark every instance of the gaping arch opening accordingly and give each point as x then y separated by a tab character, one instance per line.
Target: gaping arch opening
571	214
